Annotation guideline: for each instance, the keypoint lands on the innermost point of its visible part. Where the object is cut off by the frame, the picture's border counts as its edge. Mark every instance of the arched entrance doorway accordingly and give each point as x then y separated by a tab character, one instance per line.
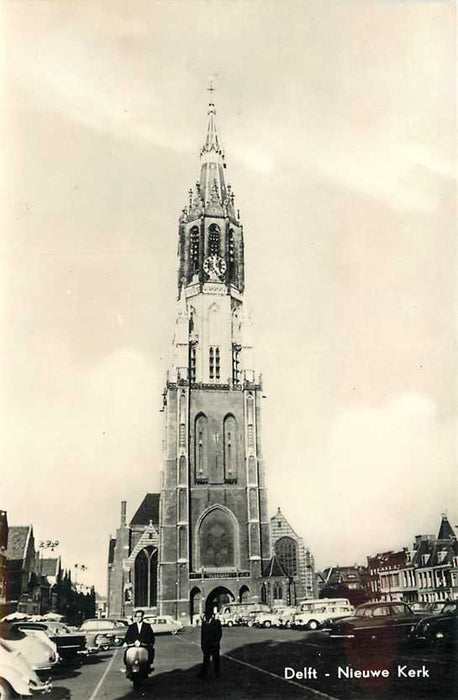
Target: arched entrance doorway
217	598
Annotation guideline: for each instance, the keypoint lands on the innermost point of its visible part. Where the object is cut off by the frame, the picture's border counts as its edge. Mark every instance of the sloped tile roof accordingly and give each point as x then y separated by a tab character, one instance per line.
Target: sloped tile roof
148	510
18	536
446	531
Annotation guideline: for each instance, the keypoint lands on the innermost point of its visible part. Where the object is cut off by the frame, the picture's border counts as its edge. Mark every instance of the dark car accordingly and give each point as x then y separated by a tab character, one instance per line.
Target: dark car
375	622
441	628
69	644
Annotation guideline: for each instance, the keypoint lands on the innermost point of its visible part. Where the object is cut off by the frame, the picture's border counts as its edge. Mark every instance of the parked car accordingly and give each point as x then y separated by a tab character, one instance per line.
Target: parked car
165	624
102	634
236	613
249	618
70	645
374	622
35	646
313	613
17	677
439	628
278	617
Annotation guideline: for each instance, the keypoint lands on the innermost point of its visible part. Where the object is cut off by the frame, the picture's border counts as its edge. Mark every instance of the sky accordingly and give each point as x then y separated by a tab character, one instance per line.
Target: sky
339	121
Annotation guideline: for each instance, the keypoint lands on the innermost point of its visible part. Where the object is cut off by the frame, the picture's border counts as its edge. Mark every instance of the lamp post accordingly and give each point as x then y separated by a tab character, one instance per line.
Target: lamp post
44	545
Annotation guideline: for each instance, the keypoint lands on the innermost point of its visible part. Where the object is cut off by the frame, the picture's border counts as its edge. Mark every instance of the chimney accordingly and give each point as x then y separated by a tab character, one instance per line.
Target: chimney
123	513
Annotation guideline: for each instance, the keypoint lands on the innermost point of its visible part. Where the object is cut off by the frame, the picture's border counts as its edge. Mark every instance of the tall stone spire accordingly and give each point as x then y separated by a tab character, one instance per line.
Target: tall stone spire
213	188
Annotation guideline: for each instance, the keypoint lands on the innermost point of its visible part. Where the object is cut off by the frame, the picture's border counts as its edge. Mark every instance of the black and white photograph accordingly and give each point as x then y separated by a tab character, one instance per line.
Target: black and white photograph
228	350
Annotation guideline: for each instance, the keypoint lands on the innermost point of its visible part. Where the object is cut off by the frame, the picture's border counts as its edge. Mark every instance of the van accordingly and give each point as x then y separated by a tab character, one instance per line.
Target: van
312	613
232	613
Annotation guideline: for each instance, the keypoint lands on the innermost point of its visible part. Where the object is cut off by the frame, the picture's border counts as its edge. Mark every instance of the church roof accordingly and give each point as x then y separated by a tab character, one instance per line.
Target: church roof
148	510
274	568
446	531
18	539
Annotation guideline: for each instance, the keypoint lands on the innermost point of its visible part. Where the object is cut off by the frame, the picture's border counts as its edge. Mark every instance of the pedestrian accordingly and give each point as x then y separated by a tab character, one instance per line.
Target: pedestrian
141	631
210	638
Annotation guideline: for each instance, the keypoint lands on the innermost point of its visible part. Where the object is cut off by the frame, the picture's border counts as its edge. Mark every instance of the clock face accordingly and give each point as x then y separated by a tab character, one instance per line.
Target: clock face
215	267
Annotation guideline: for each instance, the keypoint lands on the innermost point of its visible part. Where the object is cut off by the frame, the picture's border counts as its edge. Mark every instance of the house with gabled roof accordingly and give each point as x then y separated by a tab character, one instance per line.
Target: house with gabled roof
23	586
434	561
133	560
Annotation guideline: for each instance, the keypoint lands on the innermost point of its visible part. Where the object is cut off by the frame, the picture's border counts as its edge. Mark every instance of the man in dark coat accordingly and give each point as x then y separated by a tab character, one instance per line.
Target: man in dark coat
141	631
210	638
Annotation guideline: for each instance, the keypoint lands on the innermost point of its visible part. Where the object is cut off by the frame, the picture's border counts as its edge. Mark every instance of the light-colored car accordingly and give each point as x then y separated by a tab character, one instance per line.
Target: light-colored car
164	624
34	645
103	634
314	612
278	617
17	678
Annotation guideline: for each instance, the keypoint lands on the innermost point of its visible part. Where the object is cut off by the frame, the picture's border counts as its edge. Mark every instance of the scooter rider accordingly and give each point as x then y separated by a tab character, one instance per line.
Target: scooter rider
140	631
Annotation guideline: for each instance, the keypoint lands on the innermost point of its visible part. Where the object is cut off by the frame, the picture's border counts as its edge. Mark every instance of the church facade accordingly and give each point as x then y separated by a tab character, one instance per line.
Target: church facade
211	543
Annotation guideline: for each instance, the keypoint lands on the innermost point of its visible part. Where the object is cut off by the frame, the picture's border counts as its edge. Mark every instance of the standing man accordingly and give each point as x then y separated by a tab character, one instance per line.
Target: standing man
140	631
210	638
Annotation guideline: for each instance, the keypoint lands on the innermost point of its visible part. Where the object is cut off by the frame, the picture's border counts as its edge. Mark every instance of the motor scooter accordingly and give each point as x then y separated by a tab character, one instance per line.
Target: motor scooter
136	662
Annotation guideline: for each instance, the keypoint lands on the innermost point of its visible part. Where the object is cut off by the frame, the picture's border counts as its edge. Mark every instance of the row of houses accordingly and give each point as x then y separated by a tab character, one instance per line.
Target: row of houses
426	573
33	584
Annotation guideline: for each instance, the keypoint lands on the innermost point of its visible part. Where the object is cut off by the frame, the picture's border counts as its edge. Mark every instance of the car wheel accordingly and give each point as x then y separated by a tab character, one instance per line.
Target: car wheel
6	691
313	625
250	623
267	623
174	631
230	623
288	625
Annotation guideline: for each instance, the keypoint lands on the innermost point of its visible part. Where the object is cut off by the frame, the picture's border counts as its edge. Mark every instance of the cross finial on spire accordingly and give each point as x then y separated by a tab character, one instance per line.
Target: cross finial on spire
211	88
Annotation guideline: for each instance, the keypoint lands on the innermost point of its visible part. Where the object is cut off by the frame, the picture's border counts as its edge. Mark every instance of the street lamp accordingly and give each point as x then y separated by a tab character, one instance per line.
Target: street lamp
45	544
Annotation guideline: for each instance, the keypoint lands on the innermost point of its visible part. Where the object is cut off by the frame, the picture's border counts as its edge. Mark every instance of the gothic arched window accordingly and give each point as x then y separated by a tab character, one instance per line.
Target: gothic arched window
200	447
230	448
145	574
278	592
232	257
194	249
286	551
214	240
217	539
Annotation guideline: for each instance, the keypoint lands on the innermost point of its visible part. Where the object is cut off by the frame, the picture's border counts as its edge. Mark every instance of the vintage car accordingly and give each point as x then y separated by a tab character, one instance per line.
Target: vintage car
165	624
278	617
374	622
35	646
102	634
70	645
440	628
313	613
17	678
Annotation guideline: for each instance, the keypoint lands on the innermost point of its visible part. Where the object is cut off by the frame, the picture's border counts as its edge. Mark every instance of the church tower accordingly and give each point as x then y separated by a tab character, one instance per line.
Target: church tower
214	529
